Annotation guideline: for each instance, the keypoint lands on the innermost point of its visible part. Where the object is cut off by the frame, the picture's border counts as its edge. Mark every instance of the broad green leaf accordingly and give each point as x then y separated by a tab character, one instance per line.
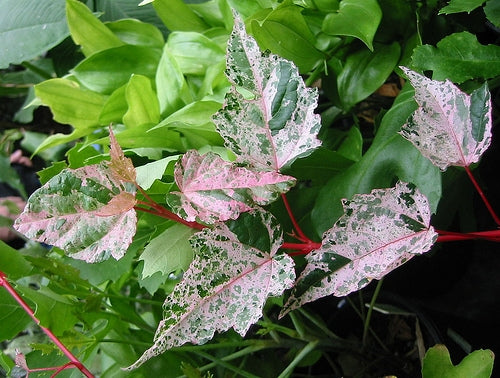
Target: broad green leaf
212	189
389	158
194	114
148	173
226	285
58	139
173	91
377	233
285	33
457	6
13	263
55	312
65	212
30	28
178	16
135	32
87	31
13	319
107	70
365	71
70	103
194	52
168	252
437	364
115	107
355	18
277	125
442	128
145	137
492	12
458	57
142	102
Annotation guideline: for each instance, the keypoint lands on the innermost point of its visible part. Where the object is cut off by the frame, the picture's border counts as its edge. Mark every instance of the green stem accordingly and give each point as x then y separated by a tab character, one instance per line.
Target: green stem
299	357
223	361
322	327
370	310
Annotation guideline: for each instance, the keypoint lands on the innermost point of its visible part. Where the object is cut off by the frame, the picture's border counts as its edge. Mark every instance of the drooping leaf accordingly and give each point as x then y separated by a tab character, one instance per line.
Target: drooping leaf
354	18
458	57
121	166
437	364
28	29
447	128
226	285
278	124
377	233
212	189
168	251
64	213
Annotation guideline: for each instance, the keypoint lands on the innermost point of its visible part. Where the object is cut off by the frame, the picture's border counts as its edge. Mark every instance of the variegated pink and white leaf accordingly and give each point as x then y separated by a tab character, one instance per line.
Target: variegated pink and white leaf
212	189
235	269
377	233
449	127
275	124
87	212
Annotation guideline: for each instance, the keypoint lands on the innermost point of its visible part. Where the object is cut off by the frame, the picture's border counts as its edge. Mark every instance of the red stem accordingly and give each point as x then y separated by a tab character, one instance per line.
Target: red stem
483	197
302	248
445	236
74	361
300	234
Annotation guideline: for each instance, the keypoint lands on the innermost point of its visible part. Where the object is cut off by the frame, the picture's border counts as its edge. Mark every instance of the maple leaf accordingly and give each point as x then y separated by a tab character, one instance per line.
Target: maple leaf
212	189
120	165
87	212
235	269
277	123
377	233
449	127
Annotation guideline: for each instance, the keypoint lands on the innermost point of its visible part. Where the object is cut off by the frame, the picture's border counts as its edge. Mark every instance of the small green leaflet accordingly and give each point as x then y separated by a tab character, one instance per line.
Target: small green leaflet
449	127
274	123
377	233
226	285
87	212
212	189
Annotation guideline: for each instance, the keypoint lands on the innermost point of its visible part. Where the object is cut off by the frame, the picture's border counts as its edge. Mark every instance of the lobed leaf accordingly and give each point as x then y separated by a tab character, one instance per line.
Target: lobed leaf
225	287
447	128
277	123
212	189
377	233
65	212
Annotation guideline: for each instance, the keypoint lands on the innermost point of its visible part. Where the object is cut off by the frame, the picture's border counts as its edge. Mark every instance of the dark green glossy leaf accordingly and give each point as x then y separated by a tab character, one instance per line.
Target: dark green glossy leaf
365	71
492	12
107	70
389	157
457	6
12	263
135	32
285	32
30	28
480	107
87	30
355	18
458	57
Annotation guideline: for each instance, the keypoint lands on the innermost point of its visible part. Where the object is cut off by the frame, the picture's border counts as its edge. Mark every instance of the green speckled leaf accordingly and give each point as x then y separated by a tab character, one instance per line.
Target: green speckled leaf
225	287
71	212
274	122
377	233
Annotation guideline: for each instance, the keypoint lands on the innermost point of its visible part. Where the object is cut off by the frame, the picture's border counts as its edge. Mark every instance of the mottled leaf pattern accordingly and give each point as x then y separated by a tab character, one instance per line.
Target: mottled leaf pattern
212	189
447	128
274	122
87	212
377	233
226	285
